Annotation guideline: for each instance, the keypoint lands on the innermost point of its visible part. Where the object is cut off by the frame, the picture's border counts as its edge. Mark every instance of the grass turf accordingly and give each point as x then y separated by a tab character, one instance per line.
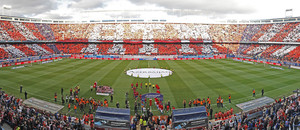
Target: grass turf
191	79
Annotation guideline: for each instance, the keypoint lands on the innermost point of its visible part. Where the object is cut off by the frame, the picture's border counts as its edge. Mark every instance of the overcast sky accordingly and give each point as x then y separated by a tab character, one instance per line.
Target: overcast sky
161	9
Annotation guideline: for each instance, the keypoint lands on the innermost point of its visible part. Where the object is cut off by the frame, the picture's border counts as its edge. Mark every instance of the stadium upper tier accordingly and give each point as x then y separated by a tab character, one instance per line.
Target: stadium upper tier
149	32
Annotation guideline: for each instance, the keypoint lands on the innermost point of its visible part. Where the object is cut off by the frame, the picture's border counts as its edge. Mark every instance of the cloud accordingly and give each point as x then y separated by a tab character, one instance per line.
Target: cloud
29	7
57	16
86	4
205	7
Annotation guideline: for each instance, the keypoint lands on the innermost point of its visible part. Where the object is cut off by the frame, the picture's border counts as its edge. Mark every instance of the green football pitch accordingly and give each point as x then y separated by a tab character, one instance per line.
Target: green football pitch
191	79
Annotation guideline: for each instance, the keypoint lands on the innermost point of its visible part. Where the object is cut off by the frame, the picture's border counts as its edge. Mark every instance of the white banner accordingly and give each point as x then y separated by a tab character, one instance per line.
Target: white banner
103	94
149	73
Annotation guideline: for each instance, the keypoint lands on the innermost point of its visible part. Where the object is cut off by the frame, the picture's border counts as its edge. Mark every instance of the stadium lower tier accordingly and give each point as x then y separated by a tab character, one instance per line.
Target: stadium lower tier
287	52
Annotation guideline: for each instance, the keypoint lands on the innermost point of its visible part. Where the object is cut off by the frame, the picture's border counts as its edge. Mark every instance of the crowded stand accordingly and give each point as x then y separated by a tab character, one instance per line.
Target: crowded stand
152	39
3	54
35	31
208	49
24	31
294	54
269	50
71	48
253	50
185	49
197	48
91	49
294	35
25	49
227	32
19	116
116	49
283	51
148	49
85	32
4	36
47	48
284	32
201	32
257	50
14	52
242	48
167	49
264	28
251	47
271	32
46	31
38	49
12	31
250	31
132	49
221	48
282	114
103	48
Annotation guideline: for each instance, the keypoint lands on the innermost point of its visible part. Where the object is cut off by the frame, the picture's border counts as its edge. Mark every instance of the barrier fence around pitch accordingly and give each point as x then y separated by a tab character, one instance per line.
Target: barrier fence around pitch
29	62
257	61
145	59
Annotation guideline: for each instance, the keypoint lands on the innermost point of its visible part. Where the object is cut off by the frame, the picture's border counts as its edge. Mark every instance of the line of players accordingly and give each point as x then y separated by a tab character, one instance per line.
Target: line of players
146	85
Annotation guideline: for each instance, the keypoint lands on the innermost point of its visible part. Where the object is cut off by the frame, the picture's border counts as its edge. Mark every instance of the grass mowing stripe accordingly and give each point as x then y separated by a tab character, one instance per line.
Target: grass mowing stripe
266	78
37	68
28	84
29	76
262	72
275	79
237	78
177	87
255	80
47	74
66	77
193	80
109	78
217	85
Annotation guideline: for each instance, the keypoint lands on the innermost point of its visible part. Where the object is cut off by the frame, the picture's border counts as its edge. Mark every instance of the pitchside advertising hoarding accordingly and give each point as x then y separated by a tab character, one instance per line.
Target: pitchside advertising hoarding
48	60
258	61
163	57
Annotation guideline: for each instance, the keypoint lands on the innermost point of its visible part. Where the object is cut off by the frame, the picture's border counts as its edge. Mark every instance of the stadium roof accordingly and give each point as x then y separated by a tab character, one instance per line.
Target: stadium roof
60	21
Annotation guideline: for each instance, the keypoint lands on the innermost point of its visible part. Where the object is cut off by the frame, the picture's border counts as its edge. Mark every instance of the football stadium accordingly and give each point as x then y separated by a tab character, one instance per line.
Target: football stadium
148	74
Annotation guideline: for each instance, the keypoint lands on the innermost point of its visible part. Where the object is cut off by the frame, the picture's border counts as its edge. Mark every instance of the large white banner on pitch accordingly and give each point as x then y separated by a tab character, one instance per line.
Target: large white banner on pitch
149	73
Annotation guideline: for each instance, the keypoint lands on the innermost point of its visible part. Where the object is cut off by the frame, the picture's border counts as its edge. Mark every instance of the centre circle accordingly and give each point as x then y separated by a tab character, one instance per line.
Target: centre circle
149	73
